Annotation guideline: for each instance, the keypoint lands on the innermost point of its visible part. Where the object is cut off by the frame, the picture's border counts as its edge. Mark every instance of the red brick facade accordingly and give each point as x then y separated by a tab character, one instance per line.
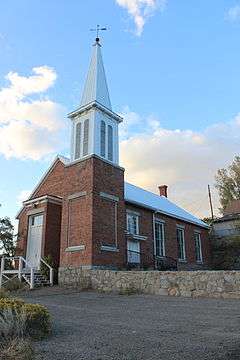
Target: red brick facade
86	225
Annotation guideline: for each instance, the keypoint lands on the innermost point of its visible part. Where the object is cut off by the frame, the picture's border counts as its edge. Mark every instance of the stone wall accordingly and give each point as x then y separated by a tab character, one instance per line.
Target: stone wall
214	284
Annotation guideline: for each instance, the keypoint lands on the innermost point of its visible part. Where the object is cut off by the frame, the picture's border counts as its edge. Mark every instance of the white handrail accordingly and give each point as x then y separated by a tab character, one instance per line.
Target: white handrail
50	271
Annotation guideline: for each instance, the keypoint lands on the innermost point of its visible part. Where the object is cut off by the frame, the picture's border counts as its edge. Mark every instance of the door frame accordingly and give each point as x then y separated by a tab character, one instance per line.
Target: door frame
29	233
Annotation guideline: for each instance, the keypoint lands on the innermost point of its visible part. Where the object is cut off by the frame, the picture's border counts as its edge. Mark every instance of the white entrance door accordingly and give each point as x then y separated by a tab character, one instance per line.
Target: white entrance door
133	252
34	240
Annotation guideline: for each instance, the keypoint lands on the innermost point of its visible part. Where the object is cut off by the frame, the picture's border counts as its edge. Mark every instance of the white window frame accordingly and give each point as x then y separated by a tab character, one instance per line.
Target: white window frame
78	140
198	234
162	225
181	229
86	128
110	143
103	138
131	215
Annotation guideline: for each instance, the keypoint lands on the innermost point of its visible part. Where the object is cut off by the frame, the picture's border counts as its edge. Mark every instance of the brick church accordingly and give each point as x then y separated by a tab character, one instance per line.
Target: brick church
83	214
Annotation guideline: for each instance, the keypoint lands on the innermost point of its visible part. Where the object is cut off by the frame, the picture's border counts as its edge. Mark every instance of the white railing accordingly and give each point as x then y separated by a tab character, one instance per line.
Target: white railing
50	271
20	269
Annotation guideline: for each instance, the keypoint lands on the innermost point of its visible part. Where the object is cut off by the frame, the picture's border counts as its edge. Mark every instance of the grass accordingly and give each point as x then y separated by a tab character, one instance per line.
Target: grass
18	348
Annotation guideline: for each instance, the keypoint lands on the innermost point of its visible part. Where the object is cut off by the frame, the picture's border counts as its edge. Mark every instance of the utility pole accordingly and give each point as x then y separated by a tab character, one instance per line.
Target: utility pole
210	201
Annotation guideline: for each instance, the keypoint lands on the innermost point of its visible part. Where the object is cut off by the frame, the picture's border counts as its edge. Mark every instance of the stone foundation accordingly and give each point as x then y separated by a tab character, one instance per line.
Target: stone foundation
214	284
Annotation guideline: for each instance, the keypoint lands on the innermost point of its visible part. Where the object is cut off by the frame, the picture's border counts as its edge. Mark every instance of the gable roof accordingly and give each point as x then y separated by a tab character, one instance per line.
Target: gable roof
144	198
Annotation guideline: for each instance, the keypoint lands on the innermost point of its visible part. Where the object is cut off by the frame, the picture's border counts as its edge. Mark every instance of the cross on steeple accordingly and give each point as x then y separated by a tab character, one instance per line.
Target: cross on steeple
97	30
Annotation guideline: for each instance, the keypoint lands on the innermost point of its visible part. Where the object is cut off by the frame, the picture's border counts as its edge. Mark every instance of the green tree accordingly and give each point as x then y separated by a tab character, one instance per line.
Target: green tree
7	242
228	183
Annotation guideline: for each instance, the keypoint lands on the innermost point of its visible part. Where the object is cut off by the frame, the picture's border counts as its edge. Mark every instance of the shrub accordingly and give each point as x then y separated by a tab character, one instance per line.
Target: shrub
17	348
14	284
37	317
12	324
3	293
38	322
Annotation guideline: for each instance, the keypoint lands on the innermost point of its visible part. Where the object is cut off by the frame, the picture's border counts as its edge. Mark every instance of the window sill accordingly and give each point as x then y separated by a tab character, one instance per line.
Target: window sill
75	248
109	248
182	261
199	262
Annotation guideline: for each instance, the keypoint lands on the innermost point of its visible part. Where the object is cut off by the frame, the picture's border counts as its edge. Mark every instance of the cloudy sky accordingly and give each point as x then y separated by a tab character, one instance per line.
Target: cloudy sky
173	73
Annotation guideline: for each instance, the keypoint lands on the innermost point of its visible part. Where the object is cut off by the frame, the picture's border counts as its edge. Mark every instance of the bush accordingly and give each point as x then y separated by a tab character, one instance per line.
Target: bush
3	294
14	284
37	317
20	349
12	324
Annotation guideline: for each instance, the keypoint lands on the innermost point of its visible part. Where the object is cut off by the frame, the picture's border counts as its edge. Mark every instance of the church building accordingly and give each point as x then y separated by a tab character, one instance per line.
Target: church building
84	215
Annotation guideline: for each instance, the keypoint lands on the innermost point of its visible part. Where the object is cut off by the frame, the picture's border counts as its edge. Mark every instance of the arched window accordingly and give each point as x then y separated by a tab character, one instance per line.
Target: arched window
103	138
110	143
85	137
78	141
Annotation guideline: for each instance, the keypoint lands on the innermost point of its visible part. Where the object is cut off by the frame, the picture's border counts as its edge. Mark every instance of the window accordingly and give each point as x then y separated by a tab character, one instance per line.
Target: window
78	141
198	247
159	238
85	137
132	224
103	138
37	220
181	244
110	143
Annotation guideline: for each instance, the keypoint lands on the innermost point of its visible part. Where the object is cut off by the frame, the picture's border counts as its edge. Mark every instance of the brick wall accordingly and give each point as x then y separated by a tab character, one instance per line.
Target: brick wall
90	220
170	226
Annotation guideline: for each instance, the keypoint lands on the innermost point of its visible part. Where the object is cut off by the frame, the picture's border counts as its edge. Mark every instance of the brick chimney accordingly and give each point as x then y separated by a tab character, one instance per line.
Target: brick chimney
163	190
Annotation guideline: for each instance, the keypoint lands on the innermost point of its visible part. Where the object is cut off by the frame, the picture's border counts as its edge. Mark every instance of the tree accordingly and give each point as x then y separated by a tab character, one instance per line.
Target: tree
228	183
7	243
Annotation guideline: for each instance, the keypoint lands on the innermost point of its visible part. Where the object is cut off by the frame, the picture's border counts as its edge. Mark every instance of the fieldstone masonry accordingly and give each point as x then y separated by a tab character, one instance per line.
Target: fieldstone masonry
214	284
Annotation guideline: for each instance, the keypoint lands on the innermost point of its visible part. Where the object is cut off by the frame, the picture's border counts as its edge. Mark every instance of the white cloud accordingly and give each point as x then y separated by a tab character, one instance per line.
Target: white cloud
233	13
22	196
141	10
186	160
29	125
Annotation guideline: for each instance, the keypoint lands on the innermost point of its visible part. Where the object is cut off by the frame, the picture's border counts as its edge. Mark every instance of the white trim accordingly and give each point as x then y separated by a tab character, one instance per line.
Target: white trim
77	195
180	226
95	104
136	236
109	248
44	198
129	211
75	248
132	214
109	196
73	162
184	259
200	246
163	238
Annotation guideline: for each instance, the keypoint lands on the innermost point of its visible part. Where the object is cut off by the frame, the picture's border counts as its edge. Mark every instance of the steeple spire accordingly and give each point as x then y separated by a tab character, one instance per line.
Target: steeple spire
96	88
94	124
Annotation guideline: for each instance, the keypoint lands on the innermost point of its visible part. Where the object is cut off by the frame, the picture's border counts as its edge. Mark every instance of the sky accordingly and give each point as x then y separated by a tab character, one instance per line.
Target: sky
173	74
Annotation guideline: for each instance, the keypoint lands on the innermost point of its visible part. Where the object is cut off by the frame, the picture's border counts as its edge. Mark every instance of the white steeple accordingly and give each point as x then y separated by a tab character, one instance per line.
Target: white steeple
96	88
94	124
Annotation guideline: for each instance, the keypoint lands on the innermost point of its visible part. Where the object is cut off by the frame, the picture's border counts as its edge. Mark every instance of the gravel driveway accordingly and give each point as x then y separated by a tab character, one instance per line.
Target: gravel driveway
93	326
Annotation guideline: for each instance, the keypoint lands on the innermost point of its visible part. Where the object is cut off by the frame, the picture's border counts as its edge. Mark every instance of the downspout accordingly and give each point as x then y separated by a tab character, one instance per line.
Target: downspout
154	236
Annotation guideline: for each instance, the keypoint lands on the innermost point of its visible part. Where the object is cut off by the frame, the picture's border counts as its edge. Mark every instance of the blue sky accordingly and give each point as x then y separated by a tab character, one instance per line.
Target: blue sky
173	72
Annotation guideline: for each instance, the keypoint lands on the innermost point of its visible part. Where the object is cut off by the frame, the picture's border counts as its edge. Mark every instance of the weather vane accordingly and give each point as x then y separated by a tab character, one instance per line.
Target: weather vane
97	30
